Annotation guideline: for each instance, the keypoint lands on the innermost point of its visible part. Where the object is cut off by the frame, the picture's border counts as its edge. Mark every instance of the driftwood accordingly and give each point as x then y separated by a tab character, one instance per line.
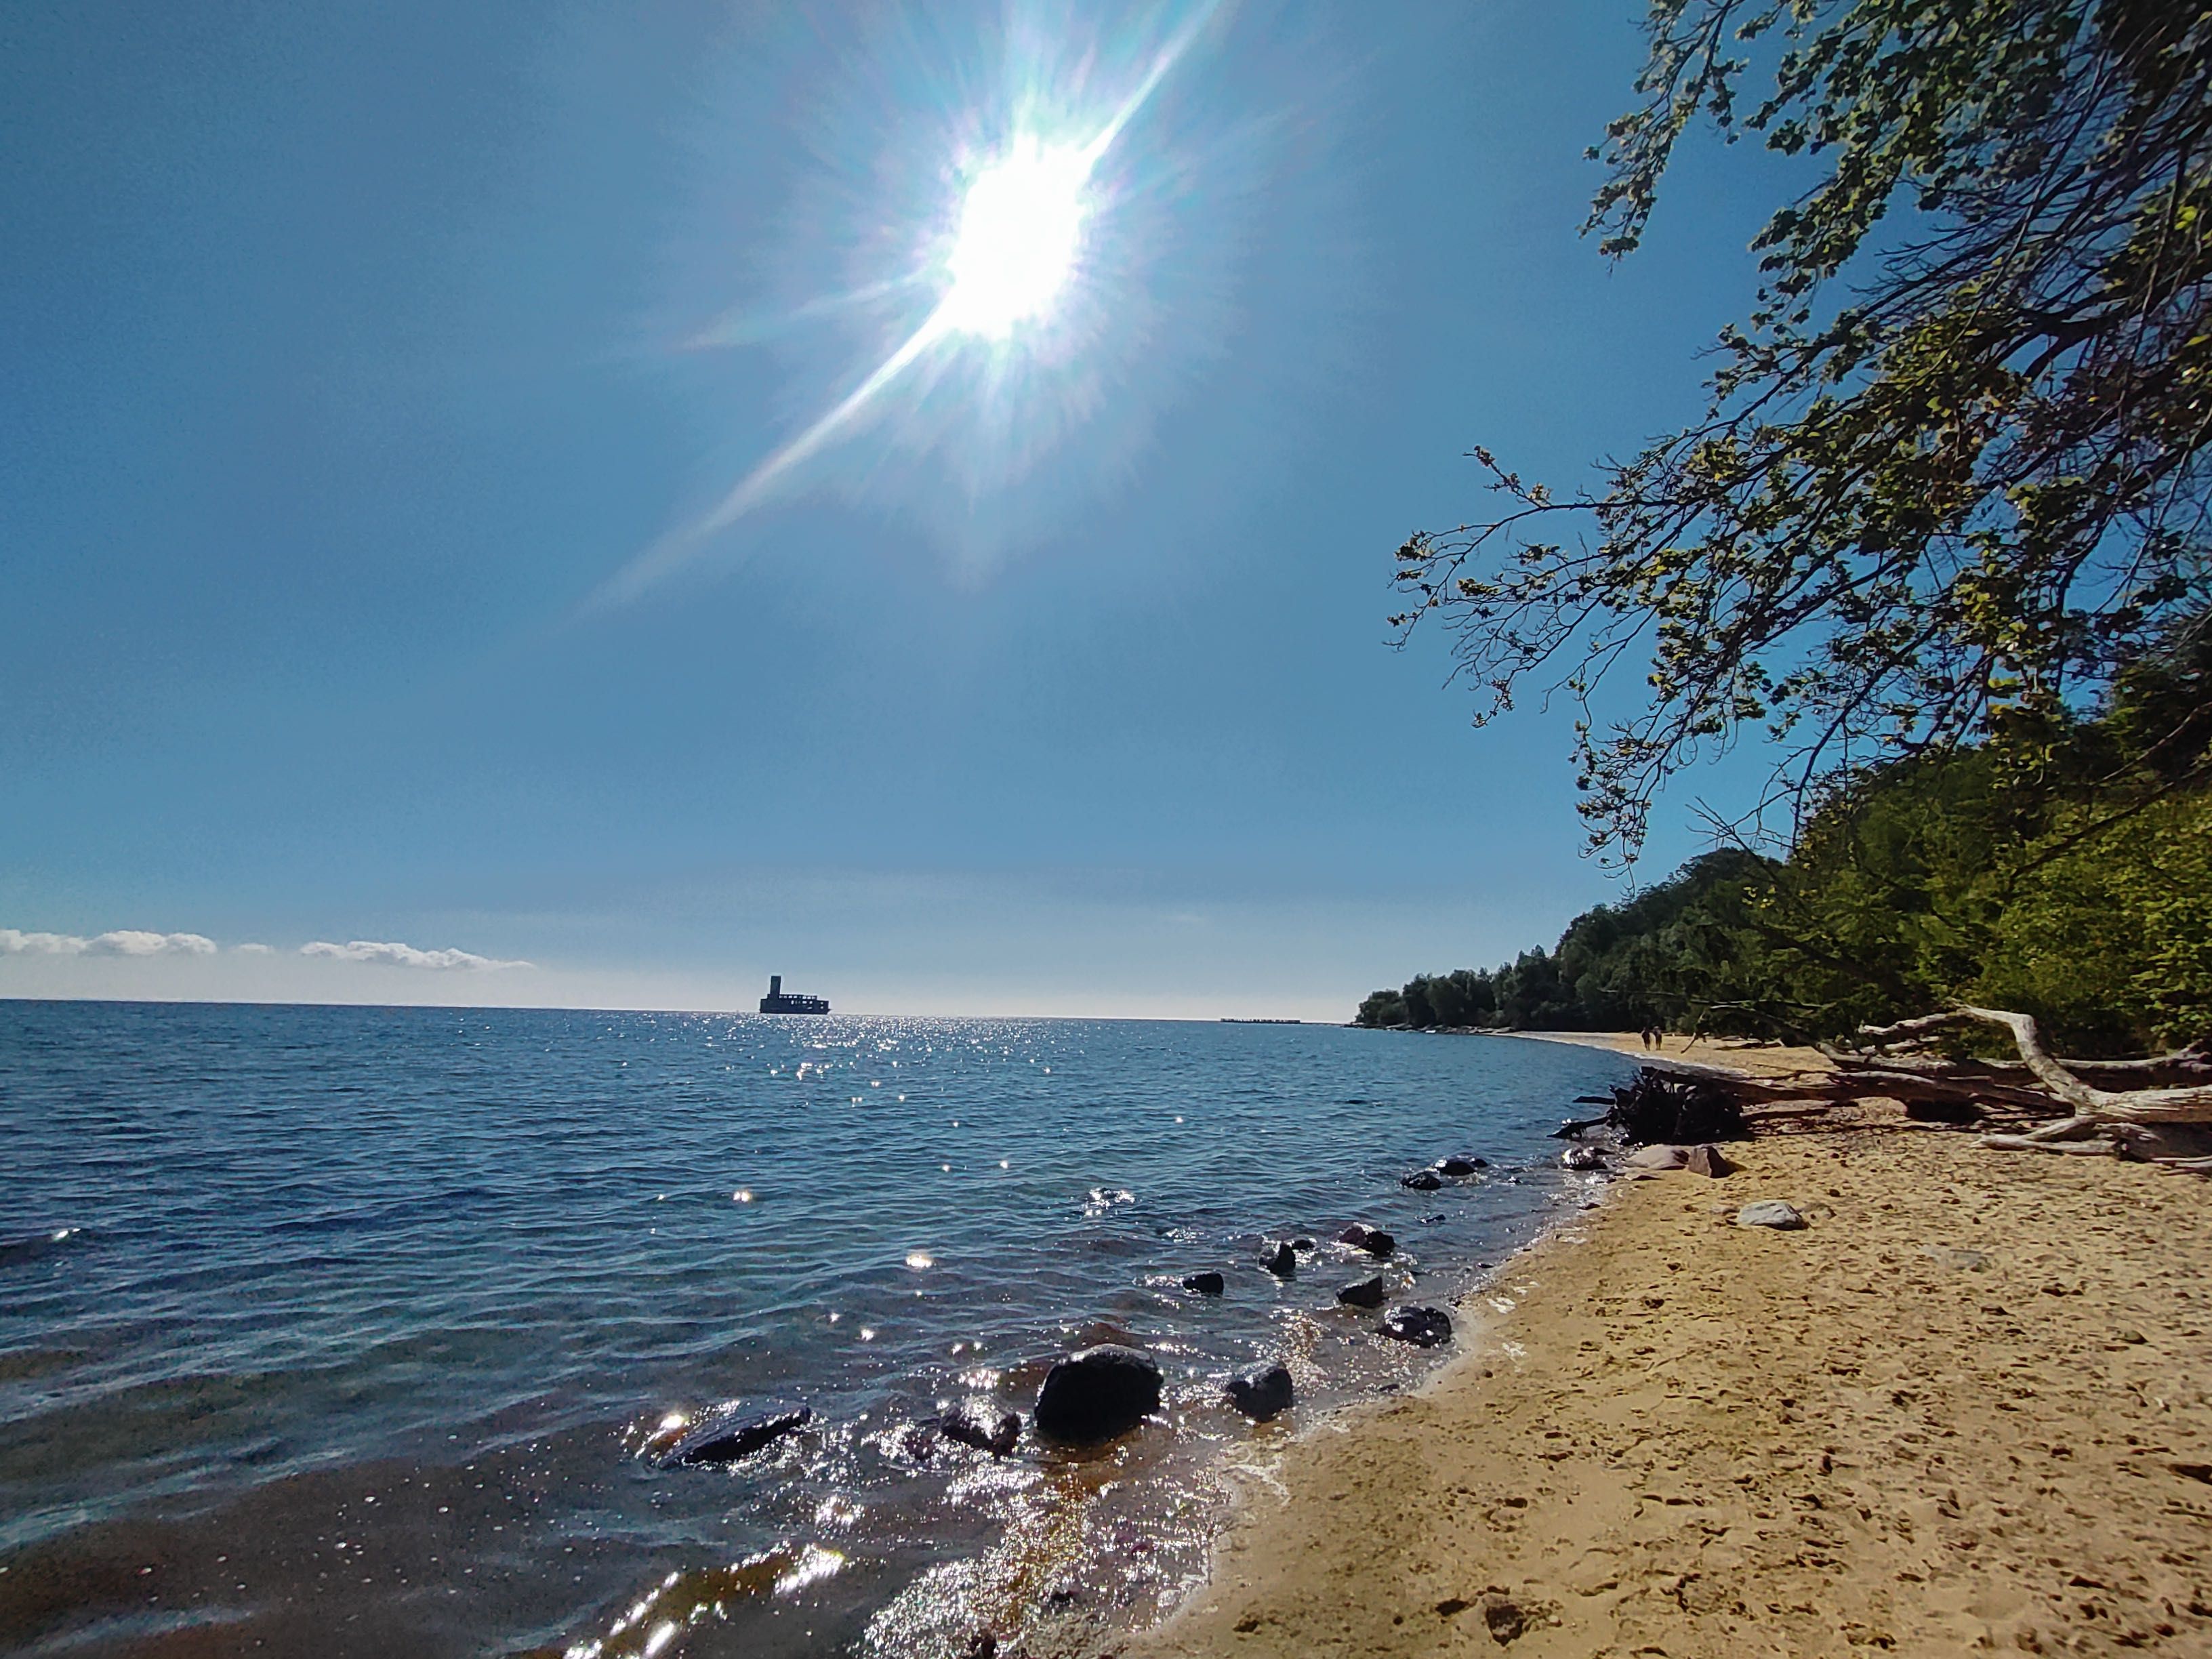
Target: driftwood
2164	1115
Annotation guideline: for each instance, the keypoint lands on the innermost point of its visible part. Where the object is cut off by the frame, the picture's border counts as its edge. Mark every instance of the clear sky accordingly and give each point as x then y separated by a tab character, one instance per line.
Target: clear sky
515	504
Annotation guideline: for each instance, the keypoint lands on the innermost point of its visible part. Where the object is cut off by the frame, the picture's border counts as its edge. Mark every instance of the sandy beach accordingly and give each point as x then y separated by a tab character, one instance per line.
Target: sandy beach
1964	1410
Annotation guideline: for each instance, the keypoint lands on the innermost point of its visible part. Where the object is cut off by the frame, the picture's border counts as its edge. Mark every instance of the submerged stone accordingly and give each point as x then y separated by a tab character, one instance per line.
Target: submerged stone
1422	1327
1262	1392
994	1432
1097	1393
729	1436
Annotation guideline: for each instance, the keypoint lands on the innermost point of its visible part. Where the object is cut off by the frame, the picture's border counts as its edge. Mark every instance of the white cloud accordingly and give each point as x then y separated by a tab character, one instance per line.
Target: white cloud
138	943
14	943
124	942
402	956
132	942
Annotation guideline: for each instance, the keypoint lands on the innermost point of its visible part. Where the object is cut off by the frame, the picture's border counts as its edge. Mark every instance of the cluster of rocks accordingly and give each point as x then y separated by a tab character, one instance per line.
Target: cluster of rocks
1443	1169
1704	1159
1100	1393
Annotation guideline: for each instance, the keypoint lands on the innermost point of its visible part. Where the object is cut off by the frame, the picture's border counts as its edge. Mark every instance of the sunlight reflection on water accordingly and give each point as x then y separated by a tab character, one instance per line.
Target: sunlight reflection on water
467	1265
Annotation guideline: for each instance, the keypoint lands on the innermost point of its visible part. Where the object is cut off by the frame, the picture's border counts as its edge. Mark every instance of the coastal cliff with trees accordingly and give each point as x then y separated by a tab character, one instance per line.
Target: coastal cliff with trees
1938	538
2082	895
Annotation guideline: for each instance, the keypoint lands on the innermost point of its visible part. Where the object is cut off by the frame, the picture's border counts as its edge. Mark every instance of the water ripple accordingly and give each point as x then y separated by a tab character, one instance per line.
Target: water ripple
327	1328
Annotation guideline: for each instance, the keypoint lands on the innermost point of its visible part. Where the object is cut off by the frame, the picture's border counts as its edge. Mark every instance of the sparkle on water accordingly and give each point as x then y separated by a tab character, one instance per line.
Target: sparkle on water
1021	227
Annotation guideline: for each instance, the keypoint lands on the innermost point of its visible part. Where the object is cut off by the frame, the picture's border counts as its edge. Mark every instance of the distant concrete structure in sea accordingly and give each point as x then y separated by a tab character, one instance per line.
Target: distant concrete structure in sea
778	1001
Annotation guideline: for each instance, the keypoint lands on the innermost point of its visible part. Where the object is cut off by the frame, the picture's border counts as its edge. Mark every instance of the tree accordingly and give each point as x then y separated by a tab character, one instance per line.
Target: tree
1381	1008
1951	479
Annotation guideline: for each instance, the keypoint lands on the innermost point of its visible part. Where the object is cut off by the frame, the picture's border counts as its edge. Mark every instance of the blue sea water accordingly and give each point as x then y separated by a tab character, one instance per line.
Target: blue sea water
339	1331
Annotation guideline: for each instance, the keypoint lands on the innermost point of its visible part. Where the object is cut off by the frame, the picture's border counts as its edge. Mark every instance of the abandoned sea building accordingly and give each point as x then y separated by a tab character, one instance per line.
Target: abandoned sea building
779	1001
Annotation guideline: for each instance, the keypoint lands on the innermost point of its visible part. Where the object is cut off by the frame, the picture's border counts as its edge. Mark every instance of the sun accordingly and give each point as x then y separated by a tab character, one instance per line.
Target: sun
1021	232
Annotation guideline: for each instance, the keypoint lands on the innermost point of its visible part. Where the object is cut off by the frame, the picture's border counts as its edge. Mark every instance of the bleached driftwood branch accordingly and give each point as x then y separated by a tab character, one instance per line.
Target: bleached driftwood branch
2167	1121
2188	1103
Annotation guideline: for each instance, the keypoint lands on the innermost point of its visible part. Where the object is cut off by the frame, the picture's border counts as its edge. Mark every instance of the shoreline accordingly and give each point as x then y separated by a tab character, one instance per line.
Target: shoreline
1964	1409
1751	1059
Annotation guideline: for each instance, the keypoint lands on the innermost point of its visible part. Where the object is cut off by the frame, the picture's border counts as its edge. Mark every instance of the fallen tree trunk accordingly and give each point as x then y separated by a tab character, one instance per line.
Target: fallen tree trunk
2167	1120
2187	1104
1863	1081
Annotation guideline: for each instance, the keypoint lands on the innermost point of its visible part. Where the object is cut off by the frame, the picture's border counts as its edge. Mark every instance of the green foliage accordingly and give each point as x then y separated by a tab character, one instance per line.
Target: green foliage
1617	967
2081	893
2112	941
1951	482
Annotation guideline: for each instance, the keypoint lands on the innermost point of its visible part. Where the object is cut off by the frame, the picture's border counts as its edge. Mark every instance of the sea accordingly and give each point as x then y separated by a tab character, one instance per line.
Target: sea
351	1331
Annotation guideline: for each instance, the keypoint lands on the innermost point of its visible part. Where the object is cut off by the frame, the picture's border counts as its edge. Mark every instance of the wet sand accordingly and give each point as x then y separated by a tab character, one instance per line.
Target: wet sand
1964	1411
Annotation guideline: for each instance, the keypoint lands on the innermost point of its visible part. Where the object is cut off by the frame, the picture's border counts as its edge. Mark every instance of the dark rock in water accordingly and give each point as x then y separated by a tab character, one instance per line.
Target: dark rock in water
1460	1167
994	1432
1422	1181
1302	1244
1278	1258
1707	1161
1205	1284
1355	1236
1261	1392
1422	1327
1378	1244
921	1439
1097	1393
732	1435
39	1244
1367	1293
1582	1158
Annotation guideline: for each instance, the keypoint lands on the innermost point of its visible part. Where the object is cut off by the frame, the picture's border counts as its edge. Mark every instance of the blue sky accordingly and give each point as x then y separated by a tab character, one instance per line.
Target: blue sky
351	356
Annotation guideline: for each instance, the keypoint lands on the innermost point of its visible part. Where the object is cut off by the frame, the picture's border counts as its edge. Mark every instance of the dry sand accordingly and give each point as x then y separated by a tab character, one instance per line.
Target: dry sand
1667	1435
1758	1059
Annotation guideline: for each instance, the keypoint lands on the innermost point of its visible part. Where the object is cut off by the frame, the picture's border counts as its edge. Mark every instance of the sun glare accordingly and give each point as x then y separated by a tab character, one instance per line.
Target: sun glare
1021	227
1028	226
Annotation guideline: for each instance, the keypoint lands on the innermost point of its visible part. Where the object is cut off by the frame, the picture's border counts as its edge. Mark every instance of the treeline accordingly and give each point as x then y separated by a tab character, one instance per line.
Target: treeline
2077	887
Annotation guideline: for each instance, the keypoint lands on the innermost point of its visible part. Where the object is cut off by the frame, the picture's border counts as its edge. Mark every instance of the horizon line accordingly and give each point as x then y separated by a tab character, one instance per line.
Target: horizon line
581	1008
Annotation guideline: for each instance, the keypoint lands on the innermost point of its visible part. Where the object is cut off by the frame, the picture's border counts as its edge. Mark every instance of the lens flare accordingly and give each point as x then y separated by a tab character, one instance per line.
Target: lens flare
1021	228
1018	243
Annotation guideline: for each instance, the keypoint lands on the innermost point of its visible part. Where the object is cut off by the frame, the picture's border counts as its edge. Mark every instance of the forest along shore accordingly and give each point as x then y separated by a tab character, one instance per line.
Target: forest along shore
1964	1408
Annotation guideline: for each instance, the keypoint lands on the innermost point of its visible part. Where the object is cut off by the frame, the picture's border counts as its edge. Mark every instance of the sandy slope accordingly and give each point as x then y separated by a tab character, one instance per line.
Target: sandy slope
1673	1436
1759	1060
